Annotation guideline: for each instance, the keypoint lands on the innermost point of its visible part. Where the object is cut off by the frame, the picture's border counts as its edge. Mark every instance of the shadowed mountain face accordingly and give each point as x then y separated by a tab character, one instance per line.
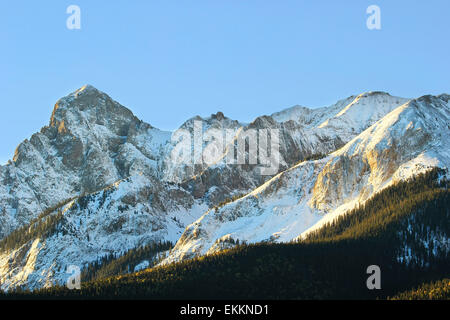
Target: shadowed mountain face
97	180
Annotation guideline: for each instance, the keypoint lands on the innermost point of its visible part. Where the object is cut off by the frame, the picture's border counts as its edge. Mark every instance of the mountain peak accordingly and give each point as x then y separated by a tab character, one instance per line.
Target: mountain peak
431	98
444	97
219	116
87	87
373	93
86	91
89	106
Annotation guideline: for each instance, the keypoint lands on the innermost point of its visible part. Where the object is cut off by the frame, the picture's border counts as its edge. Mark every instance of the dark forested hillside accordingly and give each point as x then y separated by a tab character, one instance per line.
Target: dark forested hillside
112	266
404	230
436	290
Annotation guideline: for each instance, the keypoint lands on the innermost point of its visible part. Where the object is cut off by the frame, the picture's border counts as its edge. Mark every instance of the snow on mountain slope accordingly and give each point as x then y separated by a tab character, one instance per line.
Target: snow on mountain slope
90	143
303	133
409	140
129	214
360	113
303	115
178	172
128	192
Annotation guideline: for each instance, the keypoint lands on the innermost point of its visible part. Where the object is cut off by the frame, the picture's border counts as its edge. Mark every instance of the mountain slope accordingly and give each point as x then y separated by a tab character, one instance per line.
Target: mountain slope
131	213
303	133
98	181
90	143
316	268
409	140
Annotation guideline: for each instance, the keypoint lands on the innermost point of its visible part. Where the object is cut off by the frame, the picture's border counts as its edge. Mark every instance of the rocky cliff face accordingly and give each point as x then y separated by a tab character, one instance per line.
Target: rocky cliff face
90	143
97	180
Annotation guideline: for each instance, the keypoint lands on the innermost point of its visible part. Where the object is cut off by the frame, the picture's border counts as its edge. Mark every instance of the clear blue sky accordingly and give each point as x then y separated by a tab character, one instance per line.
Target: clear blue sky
170	60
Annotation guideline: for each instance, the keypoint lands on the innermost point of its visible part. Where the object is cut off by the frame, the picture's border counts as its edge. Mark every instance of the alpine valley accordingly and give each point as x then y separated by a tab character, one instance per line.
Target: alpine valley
361	182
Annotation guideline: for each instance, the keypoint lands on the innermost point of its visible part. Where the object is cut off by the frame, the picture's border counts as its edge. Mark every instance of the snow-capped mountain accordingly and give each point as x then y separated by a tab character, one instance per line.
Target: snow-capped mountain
410	139
303	133
90	143
97	180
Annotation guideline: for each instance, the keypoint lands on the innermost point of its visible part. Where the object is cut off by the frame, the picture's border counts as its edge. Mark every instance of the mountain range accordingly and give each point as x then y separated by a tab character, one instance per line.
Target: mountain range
98	181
